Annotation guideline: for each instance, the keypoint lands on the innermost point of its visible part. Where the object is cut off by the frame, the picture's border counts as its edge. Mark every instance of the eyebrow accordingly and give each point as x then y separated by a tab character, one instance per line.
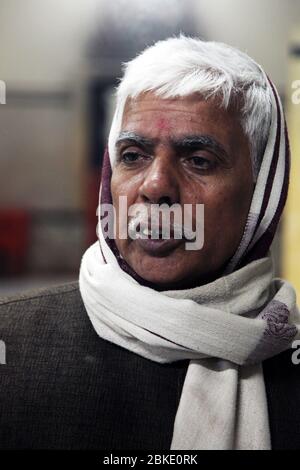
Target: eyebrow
134	138
195	142
186	143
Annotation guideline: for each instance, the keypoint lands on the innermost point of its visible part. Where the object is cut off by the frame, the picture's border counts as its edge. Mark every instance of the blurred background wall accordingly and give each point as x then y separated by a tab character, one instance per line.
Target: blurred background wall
59	60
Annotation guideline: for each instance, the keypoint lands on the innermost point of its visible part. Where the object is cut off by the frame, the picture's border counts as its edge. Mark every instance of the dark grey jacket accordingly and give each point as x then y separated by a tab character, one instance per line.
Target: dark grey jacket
63	387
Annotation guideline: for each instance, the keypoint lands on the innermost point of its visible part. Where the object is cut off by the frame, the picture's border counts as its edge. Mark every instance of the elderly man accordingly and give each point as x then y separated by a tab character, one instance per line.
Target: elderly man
163	346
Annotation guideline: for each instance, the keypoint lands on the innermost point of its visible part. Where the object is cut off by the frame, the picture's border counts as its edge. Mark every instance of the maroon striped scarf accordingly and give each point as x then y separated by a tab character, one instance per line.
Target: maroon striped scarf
267	204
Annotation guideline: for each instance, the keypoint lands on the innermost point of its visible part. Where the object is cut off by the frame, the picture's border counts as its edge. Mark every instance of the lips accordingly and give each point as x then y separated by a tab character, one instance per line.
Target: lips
157	232
158	247
155	242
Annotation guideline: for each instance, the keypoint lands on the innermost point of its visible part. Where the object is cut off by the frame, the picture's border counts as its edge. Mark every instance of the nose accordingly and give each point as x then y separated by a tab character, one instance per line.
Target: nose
161	184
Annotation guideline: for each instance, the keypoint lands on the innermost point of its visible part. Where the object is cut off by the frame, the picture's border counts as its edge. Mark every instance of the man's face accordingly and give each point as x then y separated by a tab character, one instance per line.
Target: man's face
185	151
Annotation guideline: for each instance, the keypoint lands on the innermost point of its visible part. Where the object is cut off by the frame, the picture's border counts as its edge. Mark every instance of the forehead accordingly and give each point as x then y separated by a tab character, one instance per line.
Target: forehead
155	116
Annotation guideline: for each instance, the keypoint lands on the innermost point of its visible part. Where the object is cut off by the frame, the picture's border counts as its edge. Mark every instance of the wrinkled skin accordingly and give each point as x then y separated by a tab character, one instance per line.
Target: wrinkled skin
220	177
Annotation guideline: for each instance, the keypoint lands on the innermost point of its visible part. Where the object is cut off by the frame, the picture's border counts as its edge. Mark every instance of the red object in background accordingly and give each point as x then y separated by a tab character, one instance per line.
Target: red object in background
14	233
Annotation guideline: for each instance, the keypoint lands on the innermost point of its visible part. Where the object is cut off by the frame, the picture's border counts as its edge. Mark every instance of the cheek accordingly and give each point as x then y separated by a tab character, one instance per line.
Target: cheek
226	206
123	185
229	205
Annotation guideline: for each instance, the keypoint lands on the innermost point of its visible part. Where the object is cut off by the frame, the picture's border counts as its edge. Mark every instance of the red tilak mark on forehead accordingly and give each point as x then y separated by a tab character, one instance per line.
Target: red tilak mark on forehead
162	124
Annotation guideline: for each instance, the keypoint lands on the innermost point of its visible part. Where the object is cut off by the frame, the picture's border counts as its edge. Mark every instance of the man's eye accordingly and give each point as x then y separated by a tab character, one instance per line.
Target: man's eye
130	157
201	162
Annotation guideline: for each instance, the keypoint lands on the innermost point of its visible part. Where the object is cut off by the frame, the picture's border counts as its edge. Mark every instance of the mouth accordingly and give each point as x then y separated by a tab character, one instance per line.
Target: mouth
158	247
158	241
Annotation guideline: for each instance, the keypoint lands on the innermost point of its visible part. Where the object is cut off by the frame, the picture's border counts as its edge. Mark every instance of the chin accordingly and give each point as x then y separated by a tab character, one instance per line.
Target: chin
162	274
176	270
156	277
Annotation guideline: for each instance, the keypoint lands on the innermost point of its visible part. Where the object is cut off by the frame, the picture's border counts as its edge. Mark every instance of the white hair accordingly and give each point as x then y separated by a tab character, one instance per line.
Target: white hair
180	66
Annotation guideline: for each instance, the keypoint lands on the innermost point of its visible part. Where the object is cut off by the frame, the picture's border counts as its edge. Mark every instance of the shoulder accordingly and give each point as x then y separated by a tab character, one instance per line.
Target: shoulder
26	307
37	296
46	318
